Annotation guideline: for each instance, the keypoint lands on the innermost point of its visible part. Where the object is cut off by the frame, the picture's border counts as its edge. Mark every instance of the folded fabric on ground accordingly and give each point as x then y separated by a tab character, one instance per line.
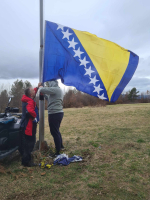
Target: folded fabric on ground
63	159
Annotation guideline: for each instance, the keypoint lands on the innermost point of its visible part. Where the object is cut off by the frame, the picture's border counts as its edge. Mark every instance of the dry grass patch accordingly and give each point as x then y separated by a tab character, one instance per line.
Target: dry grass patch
114	142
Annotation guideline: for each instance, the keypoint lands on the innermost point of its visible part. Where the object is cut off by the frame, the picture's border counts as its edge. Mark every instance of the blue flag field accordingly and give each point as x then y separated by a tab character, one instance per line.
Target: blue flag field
91	64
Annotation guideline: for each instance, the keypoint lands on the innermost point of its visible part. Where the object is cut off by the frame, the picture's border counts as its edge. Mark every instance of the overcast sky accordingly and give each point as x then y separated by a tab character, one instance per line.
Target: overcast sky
125	22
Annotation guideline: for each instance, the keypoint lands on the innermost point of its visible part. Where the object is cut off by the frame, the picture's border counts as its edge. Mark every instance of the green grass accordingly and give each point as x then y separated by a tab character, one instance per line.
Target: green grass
114	142
140	140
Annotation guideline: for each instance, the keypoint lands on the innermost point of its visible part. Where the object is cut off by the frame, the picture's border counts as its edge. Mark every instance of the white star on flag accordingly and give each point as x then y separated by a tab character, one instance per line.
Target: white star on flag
88	71
93	80
66	34
101	96
97	89
72	43
84	62
78	52
60	27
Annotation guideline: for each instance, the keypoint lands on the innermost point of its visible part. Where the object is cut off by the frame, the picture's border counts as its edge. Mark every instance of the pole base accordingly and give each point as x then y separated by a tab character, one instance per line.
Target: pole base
43	147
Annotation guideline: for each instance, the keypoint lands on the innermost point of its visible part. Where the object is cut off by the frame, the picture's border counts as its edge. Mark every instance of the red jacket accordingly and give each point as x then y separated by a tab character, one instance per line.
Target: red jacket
28	113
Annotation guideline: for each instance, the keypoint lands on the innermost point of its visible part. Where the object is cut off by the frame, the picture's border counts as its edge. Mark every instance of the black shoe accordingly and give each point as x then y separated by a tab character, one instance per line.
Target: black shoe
53	155
62	148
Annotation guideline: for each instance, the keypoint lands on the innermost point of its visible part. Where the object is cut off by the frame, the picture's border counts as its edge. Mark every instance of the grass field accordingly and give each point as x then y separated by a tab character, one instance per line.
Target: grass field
114	142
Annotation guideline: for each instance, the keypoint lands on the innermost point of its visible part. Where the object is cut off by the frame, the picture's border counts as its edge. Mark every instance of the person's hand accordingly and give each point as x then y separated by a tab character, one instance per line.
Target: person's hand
39	84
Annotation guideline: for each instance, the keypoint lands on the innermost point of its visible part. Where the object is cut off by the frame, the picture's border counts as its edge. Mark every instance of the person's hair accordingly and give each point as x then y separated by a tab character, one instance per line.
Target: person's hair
27	92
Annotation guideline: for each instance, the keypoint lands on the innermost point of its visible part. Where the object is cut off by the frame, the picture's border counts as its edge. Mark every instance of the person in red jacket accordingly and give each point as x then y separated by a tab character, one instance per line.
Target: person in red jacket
29	121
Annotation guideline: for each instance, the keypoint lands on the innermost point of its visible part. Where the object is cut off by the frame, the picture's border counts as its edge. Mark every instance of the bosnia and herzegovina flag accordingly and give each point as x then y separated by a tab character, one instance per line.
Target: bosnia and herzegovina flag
93	65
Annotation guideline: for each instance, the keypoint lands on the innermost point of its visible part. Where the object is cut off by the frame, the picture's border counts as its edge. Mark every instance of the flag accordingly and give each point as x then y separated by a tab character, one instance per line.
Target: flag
91	64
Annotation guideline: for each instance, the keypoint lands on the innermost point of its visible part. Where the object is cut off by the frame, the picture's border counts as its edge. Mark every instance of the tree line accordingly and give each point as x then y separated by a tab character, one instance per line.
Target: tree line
16	91
72	98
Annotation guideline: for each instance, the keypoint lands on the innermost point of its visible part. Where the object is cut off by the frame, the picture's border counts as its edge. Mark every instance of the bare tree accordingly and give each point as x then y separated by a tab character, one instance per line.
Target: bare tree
17	90
3	100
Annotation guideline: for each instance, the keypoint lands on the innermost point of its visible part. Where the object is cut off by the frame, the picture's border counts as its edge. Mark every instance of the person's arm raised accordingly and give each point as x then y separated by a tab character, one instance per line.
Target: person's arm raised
48	90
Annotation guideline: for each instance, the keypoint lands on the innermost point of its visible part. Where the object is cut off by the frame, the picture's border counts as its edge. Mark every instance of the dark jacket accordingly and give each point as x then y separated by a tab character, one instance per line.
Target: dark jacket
28	113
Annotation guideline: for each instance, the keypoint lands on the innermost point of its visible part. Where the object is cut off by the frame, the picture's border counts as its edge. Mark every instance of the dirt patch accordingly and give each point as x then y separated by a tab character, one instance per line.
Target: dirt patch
131	145
2	170
37	194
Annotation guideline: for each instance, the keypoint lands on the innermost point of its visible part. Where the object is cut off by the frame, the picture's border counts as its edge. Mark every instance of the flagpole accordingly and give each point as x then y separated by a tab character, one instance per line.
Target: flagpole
41	98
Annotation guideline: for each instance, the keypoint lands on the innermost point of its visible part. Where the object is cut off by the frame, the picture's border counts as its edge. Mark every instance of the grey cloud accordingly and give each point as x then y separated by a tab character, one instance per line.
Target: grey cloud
19	67
143	69
125	22
141	84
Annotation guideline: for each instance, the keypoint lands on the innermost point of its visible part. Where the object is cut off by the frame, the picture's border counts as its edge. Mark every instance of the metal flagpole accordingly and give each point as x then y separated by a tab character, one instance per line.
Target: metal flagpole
41	98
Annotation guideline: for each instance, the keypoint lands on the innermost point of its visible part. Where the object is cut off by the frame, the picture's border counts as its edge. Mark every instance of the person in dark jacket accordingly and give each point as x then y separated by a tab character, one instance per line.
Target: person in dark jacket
29	121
